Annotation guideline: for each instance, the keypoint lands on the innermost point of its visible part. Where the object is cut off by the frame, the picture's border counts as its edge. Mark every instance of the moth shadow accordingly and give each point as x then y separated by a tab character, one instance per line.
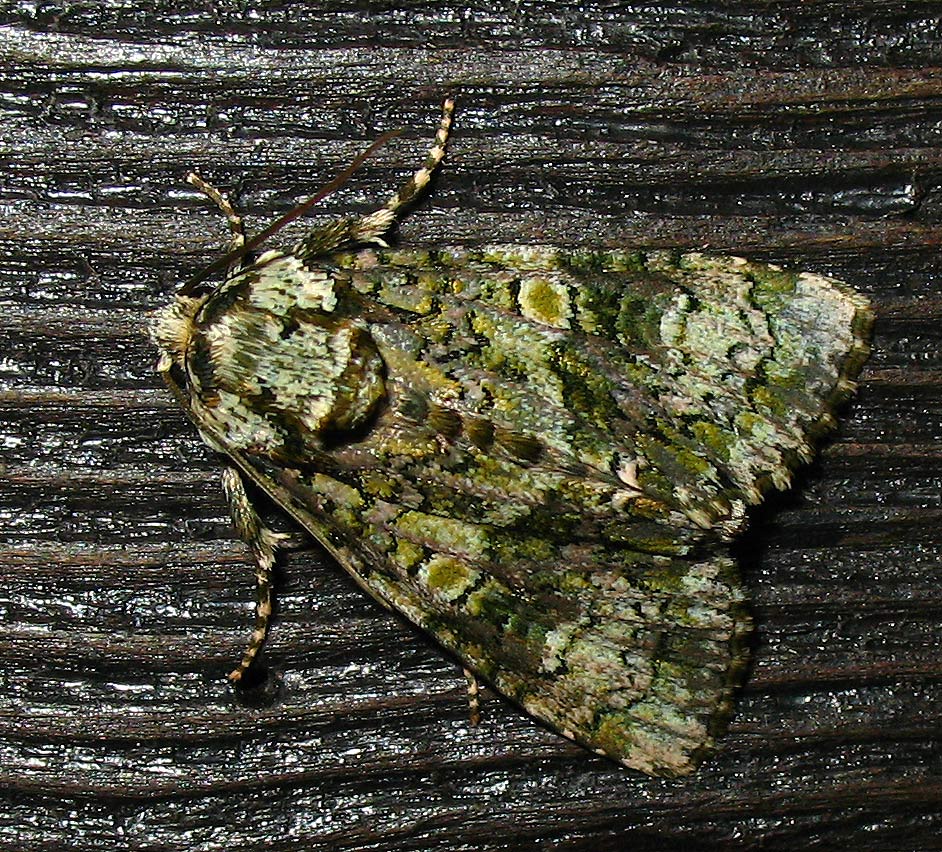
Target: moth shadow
775	520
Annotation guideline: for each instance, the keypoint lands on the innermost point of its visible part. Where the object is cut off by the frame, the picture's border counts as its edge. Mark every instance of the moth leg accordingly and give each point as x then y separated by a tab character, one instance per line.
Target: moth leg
370	228
236	228
374	225
474	697
263	542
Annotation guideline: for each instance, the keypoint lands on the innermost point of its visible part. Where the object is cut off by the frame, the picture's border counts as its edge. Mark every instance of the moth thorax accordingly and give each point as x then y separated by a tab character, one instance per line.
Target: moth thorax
361	385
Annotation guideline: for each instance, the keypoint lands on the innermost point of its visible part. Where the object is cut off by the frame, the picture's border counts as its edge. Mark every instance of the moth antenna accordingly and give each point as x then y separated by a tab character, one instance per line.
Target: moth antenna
236	227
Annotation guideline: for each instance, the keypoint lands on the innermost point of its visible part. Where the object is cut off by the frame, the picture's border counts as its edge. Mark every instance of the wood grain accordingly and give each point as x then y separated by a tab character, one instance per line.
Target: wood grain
808	133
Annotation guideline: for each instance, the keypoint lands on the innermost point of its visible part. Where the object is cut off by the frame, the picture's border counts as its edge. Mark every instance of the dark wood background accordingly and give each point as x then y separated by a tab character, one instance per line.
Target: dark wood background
808	133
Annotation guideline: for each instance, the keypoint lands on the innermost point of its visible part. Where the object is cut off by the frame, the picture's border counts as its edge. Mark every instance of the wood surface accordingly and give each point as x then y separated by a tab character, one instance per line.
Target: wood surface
805	133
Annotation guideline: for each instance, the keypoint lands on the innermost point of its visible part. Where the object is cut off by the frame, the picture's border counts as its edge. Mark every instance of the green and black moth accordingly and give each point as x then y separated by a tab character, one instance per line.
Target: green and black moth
539	455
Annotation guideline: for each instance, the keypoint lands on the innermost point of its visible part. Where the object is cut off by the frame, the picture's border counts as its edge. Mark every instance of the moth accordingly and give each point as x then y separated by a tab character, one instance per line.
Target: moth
537	454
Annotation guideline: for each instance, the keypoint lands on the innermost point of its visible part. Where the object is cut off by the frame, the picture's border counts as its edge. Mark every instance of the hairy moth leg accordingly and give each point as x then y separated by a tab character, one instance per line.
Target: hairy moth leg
236	227
374	225
370	228
262	541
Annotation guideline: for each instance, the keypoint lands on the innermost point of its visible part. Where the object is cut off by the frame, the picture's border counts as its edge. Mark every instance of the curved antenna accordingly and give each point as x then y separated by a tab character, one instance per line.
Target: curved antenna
238	253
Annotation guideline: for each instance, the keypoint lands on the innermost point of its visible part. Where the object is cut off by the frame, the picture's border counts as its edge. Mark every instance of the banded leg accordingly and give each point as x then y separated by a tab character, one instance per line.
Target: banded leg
375	224
236	228
263	542
370	228
474	697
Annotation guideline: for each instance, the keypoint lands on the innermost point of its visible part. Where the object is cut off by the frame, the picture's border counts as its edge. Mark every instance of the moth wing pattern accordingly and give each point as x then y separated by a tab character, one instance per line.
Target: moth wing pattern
633	655
538	455
708	378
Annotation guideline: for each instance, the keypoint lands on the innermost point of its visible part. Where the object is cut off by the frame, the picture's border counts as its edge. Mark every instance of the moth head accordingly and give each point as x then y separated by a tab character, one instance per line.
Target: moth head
171	328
